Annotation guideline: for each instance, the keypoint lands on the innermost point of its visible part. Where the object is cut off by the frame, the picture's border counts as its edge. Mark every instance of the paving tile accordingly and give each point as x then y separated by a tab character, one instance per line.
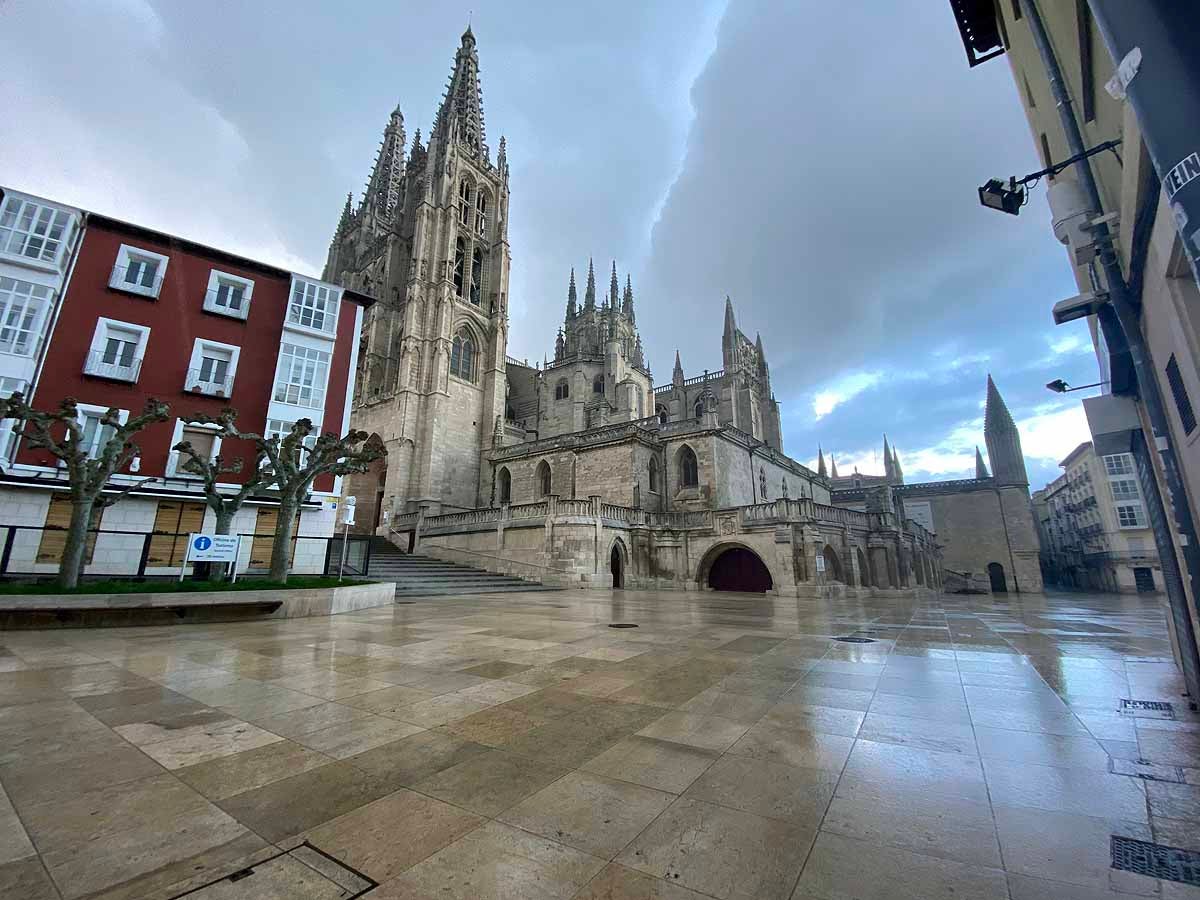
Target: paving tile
495	726
843	868
438	711
926	734
1172	748
412	759
664	765
310	718
386	701
495	691
356	736
795	795
491	782
211	741
495	862
27	879
238	772
589	812
1174	801
823	719
496	669
707	732
1084	792
616	882
14	842
38	782
299	803
954	775
794	747
1036	748
1023	887
736	707
723	852
393	833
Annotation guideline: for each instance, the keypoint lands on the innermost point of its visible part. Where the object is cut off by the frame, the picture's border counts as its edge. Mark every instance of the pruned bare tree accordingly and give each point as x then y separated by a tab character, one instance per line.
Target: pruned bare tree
293	462
60	433
224	504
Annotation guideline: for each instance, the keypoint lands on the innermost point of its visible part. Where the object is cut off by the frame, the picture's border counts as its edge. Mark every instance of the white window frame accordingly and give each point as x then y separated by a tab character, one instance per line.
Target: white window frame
26	291
83	410
173	470
280	428
1140	514
215	279
192	383
295	311
92	365
127	255
284	379
1116	464
1129	488
14	203
8	387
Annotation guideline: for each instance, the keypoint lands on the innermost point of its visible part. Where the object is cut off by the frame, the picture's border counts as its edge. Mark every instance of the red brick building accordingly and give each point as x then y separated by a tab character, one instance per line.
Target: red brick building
144	314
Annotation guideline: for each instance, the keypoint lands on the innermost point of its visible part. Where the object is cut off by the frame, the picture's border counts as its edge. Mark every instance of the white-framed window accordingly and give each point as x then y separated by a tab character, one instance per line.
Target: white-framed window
24	307
212	368
205	439
33	230
95	435
301	376
1131	515
228	295
8	387
1119	464
279	428
138	271
1125	489
117	350
313	305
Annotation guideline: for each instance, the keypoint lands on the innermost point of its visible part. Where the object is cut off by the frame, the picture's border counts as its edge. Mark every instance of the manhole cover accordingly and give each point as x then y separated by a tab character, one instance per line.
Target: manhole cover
855	640
304	871
622	625
1156	860
1148	709
406	602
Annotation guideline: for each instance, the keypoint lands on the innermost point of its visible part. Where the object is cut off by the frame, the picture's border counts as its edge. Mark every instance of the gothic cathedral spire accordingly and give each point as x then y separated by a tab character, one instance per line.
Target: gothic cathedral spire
460	117
1003	440
382	194
627	300
571	296
981	470
614	288
589	292
832	467
889	471
821	470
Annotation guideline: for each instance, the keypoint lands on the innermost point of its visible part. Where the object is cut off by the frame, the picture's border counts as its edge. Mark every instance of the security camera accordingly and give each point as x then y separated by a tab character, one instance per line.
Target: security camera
1078	307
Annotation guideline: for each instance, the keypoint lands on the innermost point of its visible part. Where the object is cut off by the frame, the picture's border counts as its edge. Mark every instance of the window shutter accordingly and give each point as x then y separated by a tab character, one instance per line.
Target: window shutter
1187	417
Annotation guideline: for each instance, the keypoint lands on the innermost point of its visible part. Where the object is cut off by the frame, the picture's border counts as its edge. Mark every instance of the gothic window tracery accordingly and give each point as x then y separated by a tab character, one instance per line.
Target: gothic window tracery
689	468
481	208
562	390
462	356
476	275
504	485
460	253
464	203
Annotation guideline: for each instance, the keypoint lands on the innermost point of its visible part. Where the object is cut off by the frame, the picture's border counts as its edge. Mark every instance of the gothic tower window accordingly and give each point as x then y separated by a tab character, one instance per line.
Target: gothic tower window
598	384
460	252
689	468
544	479
762	484
654	488
462	356
504	485
562	390
699	409
464	203
476	275
663	415
480	211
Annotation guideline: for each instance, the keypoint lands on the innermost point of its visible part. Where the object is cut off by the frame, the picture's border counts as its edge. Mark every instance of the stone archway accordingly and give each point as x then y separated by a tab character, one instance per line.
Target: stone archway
368	488
996	577
833	565
734	567
618	564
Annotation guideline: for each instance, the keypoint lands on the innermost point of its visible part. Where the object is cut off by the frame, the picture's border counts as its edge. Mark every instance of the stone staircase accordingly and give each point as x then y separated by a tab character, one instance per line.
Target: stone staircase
425	576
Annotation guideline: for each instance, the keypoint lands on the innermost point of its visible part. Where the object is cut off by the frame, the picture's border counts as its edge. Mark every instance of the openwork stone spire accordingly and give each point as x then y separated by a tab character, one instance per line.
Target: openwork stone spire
1002	439
614	289
981	470
589	292
572	309
460	117
383	189
627	299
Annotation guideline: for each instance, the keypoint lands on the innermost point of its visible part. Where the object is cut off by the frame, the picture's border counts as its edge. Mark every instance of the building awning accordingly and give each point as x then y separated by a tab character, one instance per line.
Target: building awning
980	29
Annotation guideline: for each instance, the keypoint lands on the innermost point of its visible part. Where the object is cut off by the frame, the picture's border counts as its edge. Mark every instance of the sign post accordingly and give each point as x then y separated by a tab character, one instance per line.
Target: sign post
347	521
218	548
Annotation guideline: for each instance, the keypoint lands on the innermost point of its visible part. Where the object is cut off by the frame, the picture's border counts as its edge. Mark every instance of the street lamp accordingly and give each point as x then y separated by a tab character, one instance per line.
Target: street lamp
1079	307
1006	198
1061	387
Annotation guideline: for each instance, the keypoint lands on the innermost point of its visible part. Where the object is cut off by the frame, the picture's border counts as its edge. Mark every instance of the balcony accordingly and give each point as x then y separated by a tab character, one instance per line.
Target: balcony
195	383
118	368
133	280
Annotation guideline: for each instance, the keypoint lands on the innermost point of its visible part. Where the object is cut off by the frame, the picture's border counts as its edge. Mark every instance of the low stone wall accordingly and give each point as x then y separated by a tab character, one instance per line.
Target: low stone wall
163	608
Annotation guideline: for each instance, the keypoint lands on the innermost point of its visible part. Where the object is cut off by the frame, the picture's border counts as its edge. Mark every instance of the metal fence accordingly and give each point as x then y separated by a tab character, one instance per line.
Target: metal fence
27	550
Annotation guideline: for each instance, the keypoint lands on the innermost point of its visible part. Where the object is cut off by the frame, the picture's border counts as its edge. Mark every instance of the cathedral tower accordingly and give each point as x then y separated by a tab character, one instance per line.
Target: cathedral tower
429	240
1003	441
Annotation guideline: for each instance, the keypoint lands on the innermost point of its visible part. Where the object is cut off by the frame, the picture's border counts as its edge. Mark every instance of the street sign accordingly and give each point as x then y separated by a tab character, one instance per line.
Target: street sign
820	564
213	547
348	511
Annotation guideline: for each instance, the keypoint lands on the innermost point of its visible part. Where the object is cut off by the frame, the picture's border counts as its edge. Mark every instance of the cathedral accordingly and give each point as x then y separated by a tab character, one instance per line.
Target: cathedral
582	470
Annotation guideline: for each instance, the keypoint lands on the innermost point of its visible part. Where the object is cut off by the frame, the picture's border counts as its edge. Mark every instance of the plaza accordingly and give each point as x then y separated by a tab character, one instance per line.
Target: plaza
517	746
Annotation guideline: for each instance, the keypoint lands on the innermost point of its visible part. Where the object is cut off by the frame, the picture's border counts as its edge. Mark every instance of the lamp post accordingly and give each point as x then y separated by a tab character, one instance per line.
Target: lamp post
1061	387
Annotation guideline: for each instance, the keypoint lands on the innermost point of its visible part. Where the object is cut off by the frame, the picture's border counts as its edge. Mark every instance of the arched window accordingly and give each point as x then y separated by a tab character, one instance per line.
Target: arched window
784	492
654	486
598	384
544	480
504	485
464	203
462	356
699	409
460	252
689	468
562	390
480	211
476	275
762	484
663	415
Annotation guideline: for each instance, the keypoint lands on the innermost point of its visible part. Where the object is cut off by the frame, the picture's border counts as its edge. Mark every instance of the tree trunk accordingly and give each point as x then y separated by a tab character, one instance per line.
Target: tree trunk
224	521
281	546
75	550
224	525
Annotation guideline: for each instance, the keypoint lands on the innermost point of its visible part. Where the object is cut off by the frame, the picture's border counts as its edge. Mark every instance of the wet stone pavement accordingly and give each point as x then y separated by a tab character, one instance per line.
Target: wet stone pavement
516	747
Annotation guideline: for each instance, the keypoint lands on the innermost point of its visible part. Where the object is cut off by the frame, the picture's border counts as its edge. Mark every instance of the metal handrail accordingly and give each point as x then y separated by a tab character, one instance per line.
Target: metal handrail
117	280
518	562
197	385
94	364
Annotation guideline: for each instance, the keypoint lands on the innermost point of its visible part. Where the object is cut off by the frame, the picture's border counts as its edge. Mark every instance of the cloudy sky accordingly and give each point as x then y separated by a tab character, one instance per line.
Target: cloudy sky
817	163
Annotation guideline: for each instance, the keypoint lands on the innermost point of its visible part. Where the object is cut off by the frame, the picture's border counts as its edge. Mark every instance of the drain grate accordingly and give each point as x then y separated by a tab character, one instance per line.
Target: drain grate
1156	860
855	640
622	625
1148	709
305	869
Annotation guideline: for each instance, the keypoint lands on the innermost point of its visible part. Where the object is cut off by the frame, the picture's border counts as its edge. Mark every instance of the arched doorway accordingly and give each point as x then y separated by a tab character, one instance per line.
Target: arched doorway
739	569
617	566
864	570
368	490
833	565
996	577
504	485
